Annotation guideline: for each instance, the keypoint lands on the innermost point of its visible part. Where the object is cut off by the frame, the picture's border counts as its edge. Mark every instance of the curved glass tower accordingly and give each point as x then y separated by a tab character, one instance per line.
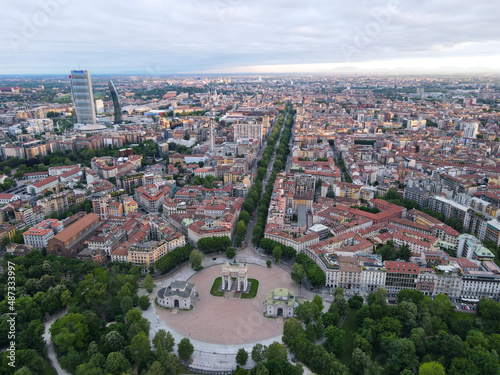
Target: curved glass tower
116	102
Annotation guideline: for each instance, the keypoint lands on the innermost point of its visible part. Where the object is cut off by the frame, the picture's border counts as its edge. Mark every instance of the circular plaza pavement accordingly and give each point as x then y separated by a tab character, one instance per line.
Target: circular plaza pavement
229	321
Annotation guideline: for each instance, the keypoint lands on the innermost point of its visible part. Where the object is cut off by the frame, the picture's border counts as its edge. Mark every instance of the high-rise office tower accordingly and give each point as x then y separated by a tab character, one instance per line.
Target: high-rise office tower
116	102
250	131
83	99
99	106
470	130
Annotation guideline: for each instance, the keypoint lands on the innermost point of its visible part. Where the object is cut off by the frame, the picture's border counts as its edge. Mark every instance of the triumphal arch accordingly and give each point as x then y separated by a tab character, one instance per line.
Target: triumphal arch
235	272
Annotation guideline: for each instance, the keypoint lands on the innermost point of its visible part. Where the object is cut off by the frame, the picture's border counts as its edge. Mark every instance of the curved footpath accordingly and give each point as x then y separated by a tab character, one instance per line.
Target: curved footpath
51	351
206	356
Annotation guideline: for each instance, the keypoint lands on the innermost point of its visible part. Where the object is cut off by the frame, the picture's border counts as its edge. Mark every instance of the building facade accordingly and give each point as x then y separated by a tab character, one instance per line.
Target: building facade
179	294
70	240
83	97
39	235
280	302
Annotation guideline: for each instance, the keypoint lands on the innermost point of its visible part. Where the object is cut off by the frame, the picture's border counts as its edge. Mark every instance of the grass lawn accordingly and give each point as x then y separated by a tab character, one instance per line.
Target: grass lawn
350	327
463	315
254	287
99	95
63	99
185	370
214	291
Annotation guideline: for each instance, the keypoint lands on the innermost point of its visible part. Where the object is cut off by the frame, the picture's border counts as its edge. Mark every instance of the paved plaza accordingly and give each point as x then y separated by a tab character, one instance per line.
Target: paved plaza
229	321
210	351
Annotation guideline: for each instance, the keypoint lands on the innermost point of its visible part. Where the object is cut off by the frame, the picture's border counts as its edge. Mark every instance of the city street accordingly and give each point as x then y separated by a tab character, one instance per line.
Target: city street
253	219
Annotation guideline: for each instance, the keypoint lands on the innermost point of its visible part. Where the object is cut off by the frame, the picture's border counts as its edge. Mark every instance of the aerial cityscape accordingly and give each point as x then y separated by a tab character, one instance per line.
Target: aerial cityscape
237	202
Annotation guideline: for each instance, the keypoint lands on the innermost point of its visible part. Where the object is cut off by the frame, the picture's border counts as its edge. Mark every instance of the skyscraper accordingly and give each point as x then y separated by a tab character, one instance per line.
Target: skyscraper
470	130
250	131
116	102
83	98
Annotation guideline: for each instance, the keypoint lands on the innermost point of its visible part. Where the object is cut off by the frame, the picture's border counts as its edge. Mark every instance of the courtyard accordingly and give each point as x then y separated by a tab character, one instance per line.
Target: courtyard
227	320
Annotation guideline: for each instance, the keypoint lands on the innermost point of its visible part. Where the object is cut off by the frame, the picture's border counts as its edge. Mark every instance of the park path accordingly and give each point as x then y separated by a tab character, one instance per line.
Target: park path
50	347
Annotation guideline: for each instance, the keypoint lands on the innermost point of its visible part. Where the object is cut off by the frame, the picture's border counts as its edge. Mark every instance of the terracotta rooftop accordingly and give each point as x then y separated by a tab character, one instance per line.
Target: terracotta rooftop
45	181
76	227
401	267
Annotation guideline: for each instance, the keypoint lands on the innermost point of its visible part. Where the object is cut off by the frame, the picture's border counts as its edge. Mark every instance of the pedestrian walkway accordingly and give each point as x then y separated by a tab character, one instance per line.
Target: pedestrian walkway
51	351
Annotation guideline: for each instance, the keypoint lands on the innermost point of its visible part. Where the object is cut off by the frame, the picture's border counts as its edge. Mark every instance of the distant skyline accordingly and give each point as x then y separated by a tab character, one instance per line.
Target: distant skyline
154	37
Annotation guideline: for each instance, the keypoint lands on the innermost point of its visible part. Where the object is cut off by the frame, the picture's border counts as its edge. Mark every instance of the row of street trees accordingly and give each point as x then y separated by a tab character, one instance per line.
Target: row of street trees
253	198
172	259
209	245
281	152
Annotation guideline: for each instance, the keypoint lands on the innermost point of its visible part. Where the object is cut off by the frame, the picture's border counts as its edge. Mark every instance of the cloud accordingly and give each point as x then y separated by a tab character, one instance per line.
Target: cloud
53	36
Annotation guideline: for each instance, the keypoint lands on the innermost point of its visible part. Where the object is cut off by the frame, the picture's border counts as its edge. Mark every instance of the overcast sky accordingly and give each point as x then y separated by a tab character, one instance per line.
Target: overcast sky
254	36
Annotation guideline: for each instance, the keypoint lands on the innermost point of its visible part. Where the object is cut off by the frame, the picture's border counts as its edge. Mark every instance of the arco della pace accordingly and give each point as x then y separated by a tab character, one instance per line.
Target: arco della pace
237	271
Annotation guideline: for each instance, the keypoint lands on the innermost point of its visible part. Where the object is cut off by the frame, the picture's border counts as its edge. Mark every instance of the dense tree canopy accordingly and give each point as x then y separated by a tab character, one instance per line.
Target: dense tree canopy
93	294
315	275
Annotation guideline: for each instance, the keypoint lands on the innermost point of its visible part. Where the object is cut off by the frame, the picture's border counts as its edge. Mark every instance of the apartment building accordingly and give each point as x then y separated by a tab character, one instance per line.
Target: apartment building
357	274
480	284
444	279
448	207
129	205
202	229
49	183
400	275
28	215
107	240
492	232
247	131
298	243
147	253
416	194
151	197
59	202
471	248
418	242
39	235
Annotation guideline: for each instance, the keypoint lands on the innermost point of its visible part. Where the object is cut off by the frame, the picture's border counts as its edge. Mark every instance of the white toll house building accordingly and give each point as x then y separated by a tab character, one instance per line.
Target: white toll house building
179	294
280	302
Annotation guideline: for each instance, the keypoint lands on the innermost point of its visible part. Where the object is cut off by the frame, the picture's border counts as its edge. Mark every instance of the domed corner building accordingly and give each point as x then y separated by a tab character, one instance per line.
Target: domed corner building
179	295
280	302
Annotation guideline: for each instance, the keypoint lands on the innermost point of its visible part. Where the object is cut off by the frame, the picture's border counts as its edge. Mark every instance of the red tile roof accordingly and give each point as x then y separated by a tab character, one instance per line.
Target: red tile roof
401	267
45	181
